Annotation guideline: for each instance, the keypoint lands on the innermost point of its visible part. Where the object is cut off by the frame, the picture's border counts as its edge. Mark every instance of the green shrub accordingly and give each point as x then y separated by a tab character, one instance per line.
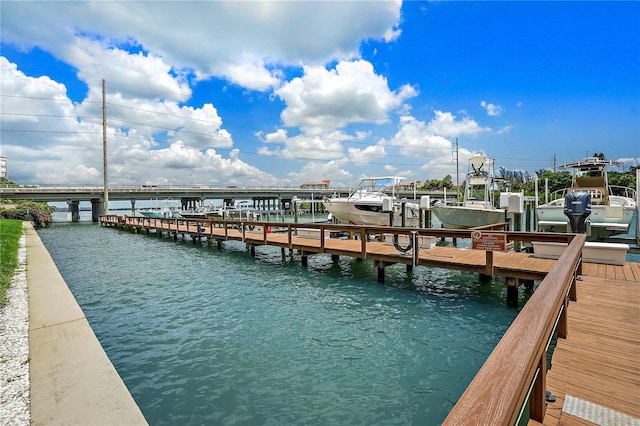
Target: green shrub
38	213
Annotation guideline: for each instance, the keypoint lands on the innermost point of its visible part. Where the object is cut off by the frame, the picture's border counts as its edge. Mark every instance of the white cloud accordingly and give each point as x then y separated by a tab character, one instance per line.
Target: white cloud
316	171
239	41
505	129
65	139
366	155
305	147
416	139
445	124
323	100
135	75
491	109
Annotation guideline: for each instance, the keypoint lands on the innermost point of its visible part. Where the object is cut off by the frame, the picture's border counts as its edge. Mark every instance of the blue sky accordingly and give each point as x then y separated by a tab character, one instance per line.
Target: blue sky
280	93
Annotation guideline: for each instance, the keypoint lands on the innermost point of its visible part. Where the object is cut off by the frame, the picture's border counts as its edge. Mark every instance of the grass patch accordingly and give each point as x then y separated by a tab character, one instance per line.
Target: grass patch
10	233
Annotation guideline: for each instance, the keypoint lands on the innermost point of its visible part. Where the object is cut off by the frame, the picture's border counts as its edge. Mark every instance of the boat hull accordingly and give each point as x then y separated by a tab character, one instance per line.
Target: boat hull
159	214
459	217
370	213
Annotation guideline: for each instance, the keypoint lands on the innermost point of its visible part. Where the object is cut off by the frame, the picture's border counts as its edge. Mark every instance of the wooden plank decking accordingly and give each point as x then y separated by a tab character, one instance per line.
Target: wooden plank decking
521	265
599	361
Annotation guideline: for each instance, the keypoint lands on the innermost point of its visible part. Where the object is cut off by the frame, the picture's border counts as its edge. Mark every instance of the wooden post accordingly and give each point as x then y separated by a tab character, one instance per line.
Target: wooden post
488	268
512	292
537	399
517	225
363	243
563	324
380	272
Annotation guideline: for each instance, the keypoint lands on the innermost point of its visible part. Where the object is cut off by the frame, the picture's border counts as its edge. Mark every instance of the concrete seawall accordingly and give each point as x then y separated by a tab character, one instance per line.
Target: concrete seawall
72	381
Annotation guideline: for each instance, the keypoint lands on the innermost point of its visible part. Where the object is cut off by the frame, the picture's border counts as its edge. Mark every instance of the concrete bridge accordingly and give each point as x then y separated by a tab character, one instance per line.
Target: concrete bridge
268	198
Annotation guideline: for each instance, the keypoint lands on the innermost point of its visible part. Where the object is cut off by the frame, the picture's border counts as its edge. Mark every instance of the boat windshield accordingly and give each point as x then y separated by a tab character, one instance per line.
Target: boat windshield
378	185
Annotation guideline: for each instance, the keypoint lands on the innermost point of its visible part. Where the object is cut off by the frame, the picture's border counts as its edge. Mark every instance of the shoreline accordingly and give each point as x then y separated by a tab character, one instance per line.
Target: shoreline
69	378
15	402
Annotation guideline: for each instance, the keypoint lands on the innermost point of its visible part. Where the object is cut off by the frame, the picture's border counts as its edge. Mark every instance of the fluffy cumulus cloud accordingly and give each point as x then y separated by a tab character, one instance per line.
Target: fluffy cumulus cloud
491	109
157	135
445	124
239	41
305	147
416	139
326	99
42	125
366	155
316	171
151	72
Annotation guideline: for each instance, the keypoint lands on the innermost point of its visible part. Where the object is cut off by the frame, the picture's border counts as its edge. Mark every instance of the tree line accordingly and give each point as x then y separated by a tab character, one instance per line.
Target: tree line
522	181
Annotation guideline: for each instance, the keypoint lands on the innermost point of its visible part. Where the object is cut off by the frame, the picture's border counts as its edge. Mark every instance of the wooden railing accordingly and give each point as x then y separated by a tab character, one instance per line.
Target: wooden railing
516	369
515	372
193	226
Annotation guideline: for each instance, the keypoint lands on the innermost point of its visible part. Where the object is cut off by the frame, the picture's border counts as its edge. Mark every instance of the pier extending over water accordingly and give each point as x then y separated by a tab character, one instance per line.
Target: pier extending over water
514	380
385	246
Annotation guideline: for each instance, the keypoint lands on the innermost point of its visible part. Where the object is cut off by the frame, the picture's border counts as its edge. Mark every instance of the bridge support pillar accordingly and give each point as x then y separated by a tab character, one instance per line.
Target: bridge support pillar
97	208
74	211
133	207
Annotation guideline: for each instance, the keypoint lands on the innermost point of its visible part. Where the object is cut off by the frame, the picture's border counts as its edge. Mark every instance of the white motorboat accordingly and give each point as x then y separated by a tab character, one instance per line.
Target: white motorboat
167	210
239	211
374	202
477	208
612	207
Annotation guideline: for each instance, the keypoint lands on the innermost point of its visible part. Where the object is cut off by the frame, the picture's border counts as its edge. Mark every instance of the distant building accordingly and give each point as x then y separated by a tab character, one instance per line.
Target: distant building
4	168
324	184
408	186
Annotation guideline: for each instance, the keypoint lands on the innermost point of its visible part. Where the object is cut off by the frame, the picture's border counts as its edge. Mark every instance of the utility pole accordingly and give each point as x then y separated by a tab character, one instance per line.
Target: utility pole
457	172
104	149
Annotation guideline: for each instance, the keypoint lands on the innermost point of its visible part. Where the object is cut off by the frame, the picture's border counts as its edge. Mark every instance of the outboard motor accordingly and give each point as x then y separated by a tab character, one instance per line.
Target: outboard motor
577	207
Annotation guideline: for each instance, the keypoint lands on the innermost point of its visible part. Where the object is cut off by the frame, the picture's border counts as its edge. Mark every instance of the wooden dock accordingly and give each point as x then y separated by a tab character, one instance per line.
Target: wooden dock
595	365
598	364
356	242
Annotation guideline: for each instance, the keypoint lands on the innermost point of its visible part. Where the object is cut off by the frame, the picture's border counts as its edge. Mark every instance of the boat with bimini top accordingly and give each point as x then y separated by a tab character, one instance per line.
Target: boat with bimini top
167	209
612	207
374	202
477	208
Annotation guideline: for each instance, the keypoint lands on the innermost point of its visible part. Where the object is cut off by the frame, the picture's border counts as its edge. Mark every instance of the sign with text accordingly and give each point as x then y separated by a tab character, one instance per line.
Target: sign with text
492	241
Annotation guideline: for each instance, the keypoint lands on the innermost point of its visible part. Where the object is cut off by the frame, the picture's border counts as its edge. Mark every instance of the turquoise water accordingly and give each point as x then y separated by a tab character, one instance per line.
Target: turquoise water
202	336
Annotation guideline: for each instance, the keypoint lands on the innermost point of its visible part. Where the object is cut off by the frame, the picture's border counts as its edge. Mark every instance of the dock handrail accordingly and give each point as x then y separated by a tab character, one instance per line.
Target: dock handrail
516	369
515	372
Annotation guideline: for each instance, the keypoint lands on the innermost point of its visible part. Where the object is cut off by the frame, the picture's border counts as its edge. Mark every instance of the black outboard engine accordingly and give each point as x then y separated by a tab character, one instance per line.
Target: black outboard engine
577	207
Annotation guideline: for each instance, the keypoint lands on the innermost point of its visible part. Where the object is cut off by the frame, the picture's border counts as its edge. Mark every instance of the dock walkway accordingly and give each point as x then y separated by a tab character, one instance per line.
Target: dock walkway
595	371
594	374
510	264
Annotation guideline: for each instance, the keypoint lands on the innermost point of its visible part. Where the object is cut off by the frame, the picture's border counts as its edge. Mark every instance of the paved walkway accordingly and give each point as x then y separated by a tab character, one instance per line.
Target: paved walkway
72	380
